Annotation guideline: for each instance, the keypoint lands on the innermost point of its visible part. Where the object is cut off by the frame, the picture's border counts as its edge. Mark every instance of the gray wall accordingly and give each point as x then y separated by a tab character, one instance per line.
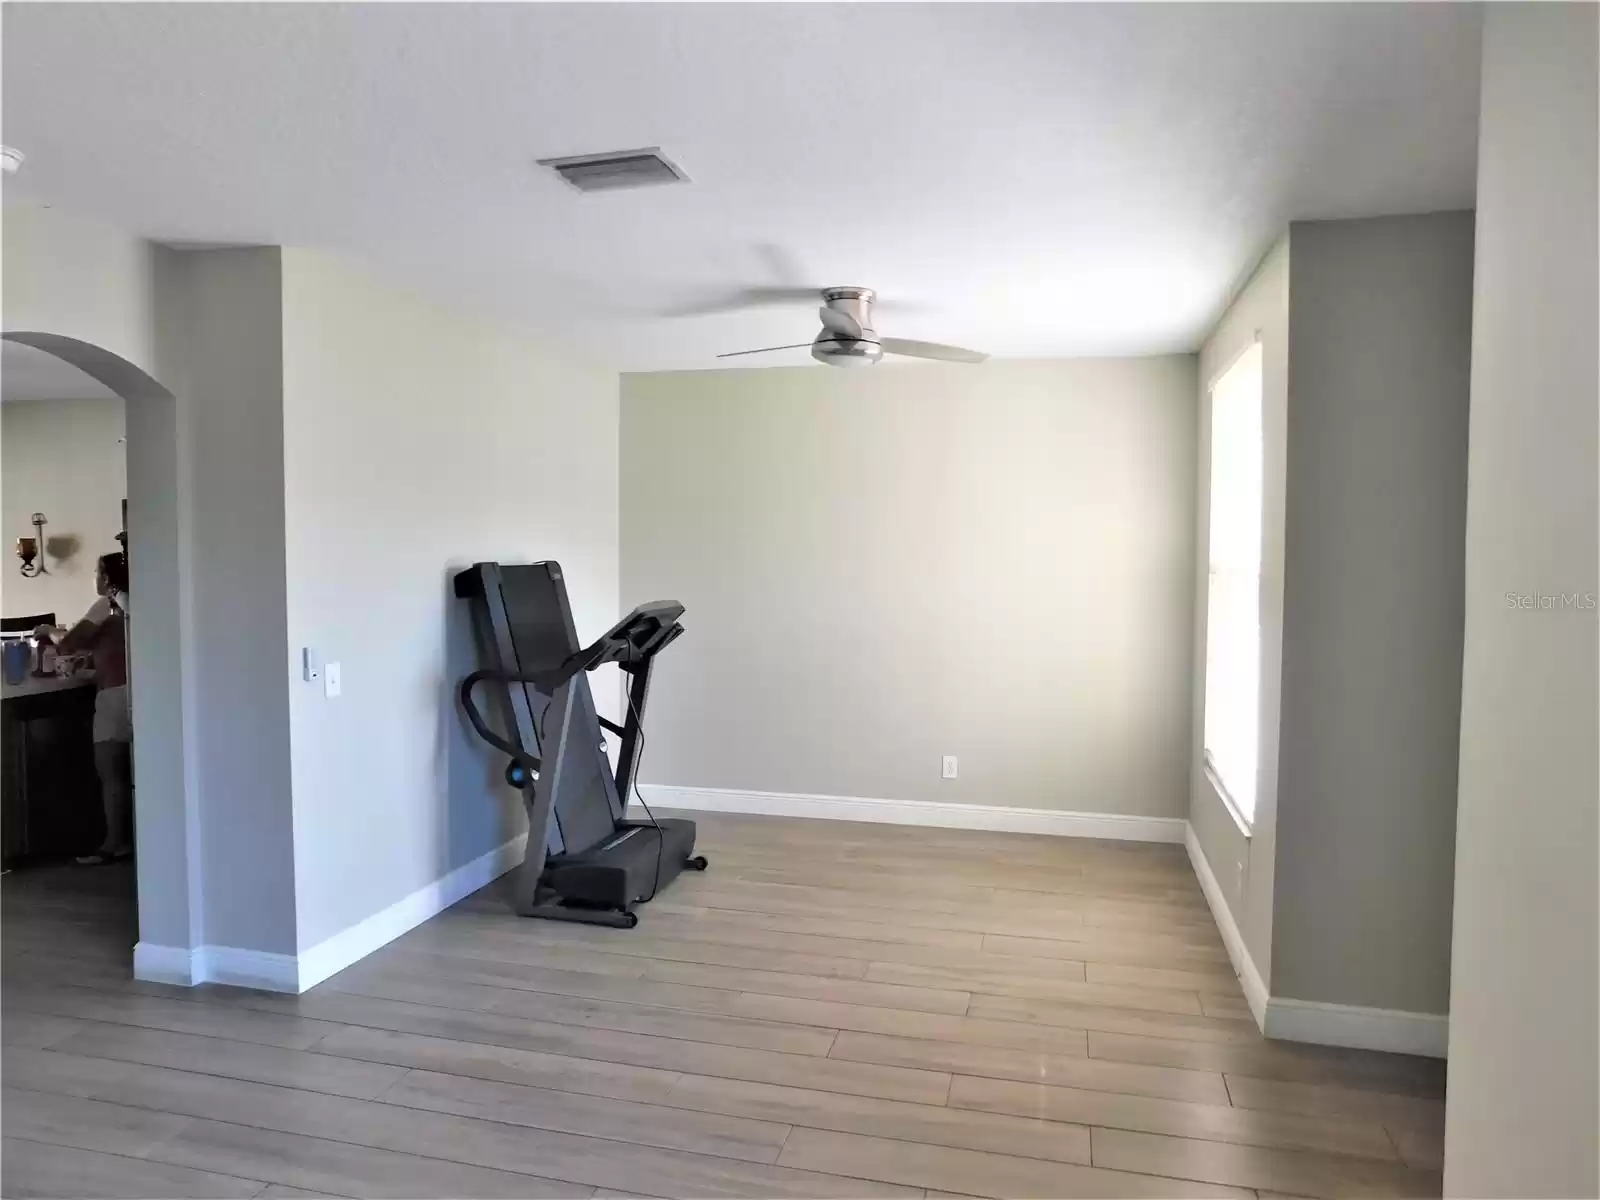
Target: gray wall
417	441
1243	862
1380	321
1521	1109
885	566
229	308
414	440
79	278
1341	887
89	293
191	340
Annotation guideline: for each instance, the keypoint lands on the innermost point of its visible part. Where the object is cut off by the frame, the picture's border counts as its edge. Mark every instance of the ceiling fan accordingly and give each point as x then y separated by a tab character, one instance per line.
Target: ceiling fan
847	338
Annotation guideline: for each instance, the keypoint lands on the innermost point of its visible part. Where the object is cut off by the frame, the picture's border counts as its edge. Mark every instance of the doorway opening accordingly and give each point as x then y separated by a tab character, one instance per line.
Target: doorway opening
95	818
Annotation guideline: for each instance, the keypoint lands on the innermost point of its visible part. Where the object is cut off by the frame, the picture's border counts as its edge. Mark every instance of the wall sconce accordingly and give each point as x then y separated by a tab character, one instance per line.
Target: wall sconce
30	549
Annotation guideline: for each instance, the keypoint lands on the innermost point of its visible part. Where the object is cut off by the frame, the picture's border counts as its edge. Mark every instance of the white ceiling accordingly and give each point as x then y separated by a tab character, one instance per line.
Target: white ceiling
1036	179
29	374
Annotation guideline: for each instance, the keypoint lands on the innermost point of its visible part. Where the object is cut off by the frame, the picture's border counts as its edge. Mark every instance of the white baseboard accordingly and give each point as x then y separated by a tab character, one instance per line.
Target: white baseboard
187	967
1293	1020
1394	1030
166	964
992	817
334	954
259	969
297	973
1255	988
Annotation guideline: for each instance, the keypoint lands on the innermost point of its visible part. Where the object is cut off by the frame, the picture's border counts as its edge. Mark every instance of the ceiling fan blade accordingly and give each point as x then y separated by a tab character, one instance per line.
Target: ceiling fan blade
755	297
915	349
838	322
763	350
783	266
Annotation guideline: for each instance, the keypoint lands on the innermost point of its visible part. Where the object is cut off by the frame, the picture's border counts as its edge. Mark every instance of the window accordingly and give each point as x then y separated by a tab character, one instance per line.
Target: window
1233	605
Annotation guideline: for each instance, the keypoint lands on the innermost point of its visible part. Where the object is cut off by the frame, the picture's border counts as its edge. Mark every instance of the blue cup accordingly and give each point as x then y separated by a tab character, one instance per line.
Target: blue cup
17	656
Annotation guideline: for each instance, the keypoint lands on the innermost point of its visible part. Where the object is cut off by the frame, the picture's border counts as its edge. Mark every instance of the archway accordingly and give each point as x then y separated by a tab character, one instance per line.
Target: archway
165	817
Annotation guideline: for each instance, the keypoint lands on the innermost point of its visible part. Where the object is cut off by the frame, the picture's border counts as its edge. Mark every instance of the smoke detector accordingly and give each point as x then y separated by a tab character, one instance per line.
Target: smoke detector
616	169
10	160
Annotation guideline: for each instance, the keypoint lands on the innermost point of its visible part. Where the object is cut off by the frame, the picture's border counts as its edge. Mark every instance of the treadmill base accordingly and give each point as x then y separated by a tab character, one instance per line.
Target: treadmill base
554	910
604	885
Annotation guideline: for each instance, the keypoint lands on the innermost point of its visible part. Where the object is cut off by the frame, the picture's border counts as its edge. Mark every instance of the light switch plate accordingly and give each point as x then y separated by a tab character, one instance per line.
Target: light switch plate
330	680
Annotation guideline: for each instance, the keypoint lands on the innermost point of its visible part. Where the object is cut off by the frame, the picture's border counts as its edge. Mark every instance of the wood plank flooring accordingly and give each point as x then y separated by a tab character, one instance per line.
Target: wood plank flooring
921	1012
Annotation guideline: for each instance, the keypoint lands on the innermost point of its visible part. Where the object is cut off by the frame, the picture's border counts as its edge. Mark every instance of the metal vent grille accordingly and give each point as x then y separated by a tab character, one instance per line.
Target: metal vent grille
619	169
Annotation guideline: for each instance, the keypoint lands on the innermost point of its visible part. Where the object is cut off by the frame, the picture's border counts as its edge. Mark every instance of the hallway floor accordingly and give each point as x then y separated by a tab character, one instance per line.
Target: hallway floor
832	1010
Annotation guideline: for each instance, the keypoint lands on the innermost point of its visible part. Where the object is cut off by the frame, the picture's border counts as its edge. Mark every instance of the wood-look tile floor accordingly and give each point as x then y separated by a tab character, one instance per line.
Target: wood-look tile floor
832	1010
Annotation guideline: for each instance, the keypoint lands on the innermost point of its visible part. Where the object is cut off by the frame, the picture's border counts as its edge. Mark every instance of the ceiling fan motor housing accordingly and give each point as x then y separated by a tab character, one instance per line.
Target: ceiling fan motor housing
837	350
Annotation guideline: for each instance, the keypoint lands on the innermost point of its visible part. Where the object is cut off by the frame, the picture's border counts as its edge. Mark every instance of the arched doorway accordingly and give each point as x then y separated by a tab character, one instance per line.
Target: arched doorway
164	809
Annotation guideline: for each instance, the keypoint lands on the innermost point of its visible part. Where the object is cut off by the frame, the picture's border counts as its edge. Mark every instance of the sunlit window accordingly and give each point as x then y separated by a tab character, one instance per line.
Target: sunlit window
1233	607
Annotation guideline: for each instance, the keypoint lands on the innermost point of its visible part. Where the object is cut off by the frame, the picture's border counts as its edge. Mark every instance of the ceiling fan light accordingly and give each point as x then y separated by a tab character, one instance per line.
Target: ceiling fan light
845	352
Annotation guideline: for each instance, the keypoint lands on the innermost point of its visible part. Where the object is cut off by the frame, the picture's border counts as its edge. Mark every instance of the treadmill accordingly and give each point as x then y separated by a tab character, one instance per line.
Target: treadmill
584	860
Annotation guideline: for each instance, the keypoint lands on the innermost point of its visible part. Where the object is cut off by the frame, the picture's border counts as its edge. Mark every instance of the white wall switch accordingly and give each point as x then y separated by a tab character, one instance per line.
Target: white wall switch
948	766
310	665
330	680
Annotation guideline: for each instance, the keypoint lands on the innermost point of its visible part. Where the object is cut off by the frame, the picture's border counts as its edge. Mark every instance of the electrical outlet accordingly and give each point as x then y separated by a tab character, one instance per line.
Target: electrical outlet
947	766
332	683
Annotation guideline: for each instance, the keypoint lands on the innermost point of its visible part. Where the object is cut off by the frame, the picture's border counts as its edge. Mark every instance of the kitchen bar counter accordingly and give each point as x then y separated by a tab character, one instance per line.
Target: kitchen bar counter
49	792
39	685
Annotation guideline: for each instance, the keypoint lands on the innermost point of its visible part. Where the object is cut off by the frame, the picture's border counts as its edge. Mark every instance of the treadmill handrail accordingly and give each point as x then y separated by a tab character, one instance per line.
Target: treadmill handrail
612	646
529	761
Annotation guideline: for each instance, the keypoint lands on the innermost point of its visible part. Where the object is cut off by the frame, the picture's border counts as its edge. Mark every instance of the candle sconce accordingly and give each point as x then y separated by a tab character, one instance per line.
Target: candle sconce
31	549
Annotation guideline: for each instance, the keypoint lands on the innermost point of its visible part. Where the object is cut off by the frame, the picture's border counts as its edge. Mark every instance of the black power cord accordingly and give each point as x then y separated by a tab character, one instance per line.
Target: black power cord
633	780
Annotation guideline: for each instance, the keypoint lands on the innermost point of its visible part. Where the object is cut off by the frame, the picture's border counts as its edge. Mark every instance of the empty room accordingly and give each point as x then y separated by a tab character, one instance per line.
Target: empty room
803	599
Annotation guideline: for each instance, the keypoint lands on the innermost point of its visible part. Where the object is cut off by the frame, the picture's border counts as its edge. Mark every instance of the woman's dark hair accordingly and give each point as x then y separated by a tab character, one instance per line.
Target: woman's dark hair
115	568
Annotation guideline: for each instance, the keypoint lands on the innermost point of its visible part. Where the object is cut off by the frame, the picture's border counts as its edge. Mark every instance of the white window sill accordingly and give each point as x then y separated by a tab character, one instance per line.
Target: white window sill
1227	801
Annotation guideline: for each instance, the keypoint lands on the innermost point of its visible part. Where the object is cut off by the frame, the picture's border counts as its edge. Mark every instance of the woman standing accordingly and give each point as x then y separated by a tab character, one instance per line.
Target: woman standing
102	632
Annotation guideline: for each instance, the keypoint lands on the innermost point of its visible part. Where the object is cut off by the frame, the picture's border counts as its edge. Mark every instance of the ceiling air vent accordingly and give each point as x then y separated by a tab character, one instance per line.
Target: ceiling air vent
619	169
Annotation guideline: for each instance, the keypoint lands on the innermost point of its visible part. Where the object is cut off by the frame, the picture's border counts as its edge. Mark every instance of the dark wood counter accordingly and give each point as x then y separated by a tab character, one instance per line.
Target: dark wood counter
49	792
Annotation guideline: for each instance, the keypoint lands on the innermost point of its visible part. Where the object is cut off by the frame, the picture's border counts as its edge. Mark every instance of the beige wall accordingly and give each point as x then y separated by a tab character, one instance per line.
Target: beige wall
1243	864
417	441
1522	1109
64	458
886	566
1380	321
